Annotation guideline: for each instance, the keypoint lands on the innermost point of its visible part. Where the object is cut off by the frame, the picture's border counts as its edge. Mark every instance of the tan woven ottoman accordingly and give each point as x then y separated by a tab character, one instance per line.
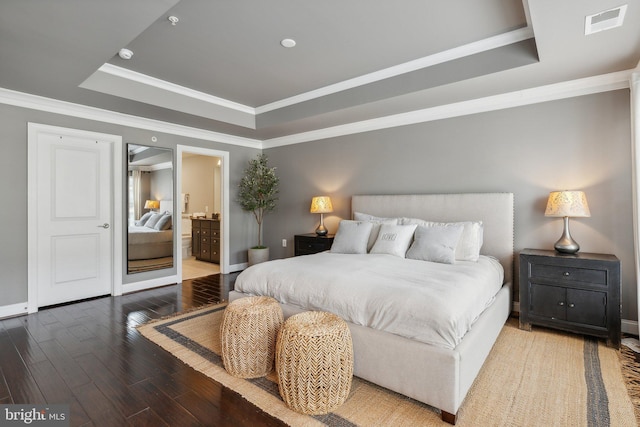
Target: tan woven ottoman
314	361
248	336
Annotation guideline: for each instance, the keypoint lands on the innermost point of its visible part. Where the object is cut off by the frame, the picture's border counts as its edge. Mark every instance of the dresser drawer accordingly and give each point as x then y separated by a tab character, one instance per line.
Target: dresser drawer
567	273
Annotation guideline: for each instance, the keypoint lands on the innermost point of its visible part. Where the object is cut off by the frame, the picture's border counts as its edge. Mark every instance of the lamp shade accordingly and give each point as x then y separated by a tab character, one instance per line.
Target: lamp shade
567	204
321	204
151	204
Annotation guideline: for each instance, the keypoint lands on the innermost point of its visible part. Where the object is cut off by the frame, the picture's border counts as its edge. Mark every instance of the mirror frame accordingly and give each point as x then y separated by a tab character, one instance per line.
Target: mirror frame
142	255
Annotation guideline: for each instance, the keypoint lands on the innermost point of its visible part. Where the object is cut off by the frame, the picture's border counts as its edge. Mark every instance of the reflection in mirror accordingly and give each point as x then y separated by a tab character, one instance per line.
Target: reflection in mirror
149	208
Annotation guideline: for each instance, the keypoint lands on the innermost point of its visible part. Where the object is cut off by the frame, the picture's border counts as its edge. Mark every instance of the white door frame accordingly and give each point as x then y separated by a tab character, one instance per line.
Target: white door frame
32	223
224	221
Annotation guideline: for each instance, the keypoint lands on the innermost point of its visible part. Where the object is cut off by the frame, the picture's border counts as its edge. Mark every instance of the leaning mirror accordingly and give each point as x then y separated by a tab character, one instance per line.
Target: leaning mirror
149	208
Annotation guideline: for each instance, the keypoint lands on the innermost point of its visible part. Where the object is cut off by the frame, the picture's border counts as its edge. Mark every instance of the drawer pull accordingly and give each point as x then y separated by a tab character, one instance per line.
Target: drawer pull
565	274
561	303
572	305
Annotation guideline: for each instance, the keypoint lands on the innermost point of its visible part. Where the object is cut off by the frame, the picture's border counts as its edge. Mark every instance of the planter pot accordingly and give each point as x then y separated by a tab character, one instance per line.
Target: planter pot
257	256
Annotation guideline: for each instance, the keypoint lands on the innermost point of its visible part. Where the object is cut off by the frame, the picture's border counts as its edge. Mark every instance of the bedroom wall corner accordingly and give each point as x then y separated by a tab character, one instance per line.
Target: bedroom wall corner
575	143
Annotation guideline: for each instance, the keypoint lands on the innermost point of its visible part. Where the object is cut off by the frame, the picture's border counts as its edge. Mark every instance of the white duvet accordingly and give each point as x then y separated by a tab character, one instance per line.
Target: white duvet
424	301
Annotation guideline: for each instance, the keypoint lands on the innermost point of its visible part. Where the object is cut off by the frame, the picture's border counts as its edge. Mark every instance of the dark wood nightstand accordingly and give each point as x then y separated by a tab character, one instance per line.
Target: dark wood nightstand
307	244
577	293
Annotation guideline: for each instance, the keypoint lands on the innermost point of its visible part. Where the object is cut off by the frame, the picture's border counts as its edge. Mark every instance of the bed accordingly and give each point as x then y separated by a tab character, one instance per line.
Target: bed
155	241
436	370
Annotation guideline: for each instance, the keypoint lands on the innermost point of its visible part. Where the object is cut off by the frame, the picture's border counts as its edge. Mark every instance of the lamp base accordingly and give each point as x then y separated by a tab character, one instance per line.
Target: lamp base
566	244
321	231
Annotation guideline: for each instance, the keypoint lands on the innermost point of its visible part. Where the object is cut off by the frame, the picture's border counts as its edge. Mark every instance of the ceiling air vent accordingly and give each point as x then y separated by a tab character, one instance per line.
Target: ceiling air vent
604	20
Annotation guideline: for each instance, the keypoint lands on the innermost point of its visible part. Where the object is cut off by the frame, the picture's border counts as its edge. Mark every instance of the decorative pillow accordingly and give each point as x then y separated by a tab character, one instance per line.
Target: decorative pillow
393	239
359	216
143	219
151	222
164	223
351	237
436	243
470	242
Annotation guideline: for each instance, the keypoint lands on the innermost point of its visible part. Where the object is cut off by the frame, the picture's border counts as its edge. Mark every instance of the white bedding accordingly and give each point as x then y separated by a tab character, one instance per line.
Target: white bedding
424	301
142	235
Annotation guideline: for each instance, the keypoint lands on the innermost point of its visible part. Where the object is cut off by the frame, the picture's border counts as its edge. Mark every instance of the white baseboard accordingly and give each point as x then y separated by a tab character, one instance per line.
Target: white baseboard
14	310
238	267
148	284
630	327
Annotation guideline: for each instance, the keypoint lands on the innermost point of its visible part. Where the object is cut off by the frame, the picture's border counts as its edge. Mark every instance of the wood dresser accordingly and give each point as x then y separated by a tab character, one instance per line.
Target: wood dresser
205	239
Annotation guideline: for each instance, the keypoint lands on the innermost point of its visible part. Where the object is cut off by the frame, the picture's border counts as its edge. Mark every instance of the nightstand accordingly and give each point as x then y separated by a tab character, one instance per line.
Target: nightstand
577	293
307	244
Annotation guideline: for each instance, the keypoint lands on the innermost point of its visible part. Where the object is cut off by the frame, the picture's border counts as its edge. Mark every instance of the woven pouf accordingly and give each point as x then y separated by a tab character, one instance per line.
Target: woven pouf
248	336
314	361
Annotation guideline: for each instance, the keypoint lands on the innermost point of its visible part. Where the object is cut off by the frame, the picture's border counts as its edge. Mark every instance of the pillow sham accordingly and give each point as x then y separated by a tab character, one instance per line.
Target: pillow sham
393	239
143	219
470	243
436	243
352	237
164	223
359	216
153	220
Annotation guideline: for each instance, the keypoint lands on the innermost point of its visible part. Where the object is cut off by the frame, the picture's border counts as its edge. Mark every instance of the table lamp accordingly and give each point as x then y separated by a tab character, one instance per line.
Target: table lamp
567	204
321	205
152	205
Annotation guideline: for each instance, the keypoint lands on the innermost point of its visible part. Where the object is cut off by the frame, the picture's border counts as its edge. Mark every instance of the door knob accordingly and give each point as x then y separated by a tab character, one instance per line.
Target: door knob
105	225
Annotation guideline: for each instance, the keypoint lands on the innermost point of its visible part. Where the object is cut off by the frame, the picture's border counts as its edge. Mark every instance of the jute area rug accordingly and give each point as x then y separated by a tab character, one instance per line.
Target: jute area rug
539	378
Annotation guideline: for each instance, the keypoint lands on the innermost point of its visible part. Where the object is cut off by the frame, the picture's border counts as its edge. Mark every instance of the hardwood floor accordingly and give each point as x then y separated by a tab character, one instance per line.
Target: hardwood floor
90	356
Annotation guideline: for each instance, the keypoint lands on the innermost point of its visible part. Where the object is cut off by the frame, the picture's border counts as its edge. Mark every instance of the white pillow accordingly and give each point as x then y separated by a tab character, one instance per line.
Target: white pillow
143	219
153	220
359	216
436	243
351	237
470	242
393	239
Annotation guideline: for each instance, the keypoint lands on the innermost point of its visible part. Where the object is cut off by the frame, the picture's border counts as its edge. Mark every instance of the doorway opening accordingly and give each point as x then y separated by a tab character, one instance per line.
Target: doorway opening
203	200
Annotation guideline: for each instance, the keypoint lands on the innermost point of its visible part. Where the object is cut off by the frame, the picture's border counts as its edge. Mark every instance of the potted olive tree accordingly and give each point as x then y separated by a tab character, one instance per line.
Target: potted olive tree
258	194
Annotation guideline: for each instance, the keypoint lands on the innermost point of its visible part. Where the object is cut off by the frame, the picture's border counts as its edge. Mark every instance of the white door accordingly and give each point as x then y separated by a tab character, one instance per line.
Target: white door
74	230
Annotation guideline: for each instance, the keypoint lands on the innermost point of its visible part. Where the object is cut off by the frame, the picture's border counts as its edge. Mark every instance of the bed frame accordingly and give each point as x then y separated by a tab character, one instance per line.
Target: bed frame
436	376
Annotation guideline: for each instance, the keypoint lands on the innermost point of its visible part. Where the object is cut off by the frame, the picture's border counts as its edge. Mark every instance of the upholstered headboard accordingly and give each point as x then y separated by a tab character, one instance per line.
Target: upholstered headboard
495	210
166	206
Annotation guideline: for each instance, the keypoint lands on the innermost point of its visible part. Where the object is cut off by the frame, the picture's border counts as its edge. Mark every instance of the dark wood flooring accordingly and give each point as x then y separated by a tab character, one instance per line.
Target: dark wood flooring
90	356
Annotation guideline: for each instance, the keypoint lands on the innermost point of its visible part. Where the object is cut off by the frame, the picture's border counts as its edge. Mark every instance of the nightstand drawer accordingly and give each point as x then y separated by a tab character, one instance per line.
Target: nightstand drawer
575	274
307	244
311	246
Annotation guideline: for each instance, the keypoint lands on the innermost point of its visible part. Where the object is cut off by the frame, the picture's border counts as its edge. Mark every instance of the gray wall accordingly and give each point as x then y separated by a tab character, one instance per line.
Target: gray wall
198	174
13	191
580	143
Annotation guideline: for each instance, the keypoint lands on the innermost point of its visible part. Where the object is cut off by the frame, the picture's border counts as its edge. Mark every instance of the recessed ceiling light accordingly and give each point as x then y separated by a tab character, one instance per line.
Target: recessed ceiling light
125	53
288	42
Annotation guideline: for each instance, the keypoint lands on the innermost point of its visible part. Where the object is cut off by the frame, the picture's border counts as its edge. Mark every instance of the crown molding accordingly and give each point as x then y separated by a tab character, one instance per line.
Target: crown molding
36	102
484	45
164	85
552	92
586	86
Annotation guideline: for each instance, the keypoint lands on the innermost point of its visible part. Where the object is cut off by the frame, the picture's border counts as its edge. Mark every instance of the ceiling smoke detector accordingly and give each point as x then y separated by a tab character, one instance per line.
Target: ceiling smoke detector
288	43
125	53
604	20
